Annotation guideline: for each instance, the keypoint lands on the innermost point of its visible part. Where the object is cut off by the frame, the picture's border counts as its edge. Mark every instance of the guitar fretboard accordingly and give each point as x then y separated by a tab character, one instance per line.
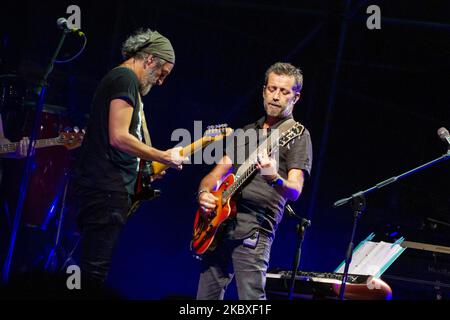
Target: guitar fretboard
41	143
270	144
250	170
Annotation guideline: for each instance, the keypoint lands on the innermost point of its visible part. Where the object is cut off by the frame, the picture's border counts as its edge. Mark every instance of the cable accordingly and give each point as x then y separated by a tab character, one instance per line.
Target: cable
78	53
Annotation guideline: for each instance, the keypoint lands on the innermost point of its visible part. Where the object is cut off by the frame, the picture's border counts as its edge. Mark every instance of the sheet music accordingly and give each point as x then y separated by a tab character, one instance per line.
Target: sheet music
373	258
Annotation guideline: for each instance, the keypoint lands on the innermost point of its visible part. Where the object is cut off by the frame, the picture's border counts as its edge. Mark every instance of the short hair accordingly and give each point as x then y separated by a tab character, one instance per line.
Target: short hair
286	69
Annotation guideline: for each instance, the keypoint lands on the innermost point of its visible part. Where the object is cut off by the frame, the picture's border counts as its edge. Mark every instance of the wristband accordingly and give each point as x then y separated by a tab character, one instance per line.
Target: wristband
200	192
278	181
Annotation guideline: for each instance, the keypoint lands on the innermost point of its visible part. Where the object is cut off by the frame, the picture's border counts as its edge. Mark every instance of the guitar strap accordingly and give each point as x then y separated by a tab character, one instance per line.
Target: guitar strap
144	127
285	126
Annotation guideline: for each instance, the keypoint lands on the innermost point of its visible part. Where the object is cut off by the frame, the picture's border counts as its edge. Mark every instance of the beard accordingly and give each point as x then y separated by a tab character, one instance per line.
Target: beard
144	90
278	112
272	112
147	82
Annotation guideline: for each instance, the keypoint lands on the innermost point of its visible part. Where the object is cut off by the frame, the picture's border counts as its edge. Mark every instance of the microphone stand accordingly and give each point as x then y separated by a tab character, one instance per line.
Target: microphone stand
42	88
301	229
358	204
50	265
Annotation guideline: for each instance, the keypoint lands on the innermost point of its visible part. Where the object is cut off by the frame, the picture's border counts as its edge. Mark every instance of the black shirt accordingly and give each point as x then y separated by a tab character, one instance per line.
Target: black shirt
99	165
260	206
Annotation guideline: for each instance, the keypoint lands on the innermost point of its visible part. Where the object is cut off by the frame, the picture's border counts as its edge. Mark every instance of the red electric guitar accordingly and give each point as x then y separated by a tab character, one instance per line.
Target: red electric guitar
205	228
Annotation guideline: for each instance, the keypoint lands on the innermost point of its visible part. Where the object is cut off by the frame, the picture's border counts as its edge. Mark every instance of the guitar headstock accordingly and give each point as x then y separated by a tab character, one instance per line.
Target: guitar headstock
291	134
71	139
217	132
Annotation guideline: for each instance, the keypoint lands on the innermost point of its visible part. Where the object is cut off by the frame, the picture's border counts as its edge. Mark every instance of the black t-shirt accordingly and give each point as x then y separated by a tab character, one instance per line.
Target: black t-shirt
260	206
99	165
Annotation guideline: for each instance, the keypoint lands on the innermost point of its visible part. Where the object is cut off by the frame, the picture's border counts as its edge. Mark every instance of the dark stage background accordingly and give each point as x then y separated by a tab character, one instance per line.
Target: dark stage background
372	100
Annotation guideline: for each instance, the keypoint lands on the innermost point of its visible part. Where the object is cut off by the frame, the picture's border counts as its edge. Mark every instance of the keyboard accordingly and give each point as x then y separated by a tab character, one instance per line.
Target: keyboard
326	285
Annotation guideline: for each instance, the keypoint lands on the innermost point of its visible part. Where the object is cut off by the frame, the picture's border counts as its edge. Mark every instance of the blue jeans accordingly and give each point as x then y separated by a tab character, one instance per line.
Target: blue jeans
246	261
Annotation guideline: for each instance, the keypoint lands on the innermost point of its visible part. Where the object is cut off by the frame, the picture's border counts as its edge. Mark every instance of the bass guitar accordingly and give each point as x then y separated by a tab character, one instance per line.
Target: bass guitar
70	140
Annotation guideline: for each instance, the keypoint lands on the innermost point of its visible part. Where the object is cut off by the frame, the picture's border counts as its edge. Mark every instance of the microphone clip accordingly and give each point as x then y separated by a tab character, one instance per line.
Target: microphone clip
304	223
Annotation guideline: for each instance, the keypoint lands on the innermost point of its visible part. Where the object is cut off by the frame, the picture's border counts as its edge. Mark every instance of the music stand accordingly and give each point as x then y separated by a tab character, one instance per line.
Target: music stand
358	201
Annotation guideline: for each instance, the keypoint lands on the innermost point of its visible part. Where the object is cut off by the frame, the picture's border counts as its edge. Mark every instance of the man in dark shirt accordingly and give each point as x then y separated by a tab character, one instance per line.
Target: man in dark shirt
107	165
244	247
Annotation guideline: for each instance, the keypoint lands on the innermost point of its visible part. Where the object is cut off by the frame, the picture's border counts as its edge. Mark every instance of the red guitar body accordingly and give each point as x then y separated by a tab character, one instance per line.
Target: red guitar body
205	229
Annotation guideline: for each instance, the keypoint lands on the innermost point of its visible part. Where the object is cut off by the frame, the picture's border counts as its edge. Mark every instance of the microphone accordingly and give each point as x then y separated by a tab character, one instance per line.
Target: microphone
444	135
62	24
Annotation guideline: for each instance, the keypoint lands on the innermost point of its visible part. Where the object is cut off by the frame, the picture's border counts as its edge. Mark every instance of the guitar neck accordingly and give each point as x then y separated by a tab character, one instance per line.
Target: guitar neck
186	151
248	172
269	144
41	143
197	145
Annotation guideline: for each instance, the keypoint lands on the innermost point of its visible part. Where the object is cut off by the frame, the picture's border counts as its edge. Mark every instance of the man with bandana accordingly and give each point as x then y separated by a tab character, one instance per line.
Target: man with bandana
106	168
